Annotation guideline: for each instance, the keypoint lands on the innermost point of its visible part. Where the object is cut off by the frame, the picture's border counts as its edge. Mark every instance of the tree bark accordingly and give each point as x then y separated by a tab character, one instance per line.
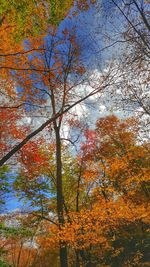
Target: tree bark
77	259
63	248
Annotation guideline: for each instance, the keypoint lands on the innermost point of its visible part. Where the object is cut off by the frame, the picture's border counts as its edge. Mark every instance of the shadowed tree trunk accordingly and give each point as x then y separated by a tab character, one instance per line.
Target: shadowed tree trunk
63	248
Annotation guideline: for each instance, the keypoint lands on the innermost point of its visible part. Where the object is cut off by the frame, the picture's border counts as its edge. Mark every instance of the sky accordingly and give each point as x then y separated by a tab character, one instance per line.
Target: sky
92	30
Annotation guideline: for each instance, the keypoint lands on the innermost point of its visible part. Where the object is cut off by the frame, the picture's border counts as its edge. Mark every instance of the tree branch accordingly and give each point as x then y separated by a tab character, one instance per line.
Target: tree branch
45	124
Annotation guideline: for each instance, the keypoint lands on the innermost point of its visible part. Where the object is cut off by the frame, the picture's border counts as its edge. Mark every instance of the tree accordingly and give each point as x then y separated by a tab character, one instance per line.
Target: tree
52	75
17	248
110	179
119	195
32	18
96	197
132	91
4	187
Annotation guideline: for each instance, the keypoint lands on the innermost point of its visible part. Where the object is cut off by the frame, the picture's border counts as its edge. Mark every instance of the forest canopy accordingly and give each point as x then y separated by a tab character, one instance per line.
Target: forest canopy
74	133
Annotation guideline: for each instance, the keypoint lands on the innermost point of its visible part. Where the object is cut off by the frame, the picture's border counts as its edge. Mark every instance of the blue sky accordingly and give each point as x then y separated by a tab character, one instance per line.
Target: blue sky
91	26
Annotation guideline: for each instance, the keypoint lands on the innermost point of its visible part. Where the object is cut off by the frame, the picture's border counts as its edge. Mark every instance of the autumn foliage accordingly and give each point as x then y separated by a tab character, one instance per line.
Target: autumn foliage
110	178
83	186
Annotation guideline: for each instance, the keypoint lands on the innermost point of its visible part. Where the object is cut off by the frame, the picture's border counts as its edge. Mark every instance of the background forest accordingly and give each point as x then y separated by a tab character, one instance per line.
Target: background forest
74	133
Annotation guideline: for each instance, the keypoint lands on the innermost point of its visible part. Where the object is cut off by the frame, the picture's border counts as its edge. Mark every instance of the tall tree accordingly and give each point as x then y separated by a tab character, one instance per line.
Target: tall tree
48	83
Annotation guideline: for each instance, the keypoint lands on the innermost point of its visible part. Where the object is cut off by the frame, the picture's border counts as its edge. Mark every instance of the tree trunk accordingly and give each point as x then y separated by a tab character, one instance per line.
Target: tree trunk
63	248
77	259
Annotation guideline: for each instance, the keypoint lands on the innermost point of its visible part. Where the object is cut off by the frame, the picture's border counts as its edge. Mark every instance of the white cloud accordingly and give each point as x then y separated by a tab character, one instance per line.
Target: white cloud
102	108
